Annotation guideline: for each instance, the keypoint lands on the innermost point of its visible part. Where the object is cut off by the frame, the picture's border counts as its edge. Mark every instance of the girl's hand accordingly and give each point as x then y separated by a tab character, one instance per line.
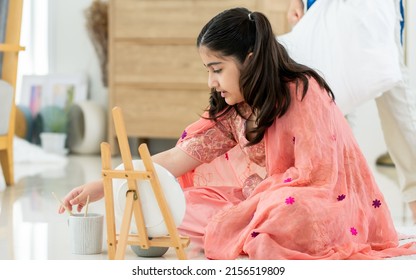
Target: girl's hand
78	196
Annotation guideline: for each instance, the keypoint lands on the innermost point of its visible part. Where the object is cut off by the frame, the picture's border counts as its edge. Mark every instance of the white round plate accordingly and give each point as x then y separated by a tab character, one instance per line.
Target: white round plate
153	218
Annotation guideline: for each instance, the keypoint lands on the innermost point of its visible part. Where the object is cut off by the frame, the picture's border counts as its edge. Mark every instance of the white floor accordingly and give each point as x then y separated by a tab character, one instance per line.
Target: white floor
31	229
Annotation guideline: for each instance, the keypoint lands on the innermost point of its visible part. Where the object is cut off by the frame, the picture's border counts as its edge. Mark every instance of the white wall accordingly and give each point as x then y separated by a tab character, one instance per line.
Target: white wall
71	50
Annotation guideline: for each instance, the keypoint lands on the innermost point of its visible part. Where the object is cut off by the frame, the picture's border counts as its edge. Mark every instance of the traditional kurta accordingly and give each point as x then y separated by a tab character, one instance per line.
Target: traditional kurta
304	192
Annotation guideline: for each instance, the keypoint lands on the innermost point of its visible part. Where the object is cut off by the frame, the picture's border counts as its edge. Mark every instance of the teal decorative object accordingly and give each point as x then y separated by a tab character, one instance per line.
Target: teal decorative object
54	119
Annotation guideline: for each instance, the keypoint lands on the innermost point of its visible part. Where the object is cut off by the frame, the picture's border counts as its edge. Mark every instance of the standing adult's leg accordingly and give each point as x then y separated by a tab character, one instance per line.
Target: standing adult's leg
397	111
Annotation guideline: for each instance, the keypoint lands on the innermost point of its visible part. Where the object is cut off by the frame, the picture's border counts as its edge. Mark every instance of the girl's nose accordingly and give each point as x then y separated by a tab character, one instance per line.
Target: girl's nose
212	82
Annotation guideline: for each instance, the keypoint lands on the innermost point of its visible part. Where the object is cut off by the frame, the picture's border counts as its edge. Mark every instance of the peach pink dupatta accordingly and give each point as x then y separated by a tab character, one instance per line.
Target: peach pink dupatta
318	201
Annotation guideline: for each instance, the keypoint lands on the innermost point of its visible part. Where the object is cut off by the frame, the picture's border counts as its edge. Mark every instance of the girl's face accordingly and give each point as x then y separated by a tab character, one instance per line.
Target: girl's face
223	75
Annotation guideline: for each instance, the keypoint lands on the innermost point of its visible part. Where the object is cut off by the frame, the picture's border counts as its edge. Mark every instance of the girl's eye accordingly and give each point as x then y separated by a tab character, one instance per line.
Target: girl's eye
217	71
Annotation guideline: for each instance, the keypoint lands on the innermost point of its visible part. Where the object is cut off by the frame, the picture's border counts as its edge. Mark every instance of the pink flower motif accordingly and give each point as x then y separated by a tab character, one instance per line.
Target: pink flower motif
290	200
226	156
293	139
254	234
353	231
287	180
184	133
334	137
376	203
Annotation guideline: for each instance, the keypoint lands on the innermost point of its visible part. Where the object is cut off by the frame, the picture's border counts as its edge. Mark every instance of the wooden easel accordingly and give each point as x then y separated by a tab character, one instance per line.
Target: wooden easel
10	50
117	243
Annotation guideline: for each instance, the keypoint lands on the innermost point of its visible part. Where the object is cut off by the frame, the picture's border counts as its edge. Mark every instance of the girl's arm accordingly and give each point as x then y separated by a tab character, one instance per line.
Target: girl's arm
176	161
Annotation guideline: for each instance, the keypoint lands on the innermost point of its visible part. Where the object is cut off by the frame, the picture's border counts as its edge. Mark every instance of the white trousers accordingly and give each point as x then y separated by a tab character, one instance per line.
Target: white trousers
397	112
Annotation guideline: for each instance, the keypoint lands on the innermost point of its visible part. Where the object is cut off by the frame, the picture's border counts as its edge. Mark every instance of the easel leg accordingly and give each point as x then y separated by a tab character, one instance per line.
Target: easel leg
125	227
109	205
161	200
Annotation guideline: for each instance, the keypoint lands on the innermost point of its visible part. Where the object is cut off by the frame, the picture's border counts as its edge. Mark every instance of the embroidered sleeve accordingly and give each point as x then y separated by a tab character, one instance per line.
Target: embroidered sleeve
209	144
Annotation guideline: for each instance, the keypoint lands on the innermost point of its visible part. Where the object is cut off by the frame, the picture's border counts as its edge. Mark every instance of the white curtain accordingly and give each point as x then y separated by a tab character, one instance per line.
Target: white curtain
35	38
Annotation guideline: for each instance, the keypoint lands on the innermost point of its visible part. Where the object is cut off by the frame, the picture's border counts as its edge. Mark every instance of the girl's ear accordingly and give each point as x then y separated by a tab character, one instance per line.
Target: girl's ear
248	57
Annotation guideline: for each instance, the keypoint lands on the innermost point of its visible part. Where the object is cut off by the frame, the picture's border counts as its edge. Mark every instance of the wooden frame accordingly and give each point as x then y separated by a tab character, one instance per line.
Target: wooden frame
62	90
10	50
117	242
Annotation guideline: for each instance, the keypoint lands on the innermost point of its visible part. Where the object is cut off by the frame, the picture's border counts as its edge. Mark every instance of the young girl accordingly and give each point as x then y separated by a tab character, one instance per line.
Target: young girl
271	170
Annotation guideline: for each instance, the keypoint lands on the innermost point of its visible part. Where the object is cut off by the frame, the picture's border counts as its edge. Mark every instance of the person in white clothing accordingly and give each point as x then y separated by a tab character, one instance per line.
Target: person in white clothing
396	105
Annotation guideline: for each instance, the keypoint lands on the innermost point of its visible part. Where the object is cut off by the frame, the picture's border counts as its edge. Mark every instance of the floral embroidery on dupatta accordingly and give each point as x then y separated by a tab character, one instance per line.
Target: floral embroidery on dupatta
290	200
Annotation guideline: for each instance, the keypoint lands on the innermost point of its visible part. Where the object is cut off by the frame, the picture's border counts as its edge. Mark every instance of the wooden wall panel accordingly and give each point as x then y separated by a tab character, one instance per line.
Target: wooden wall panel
155	72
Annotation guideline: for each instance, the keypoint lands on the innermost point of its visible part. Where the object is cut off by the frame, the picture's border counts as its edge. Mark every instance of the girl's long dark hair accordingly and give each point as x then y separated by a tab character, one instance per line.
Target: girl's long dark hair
265	76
